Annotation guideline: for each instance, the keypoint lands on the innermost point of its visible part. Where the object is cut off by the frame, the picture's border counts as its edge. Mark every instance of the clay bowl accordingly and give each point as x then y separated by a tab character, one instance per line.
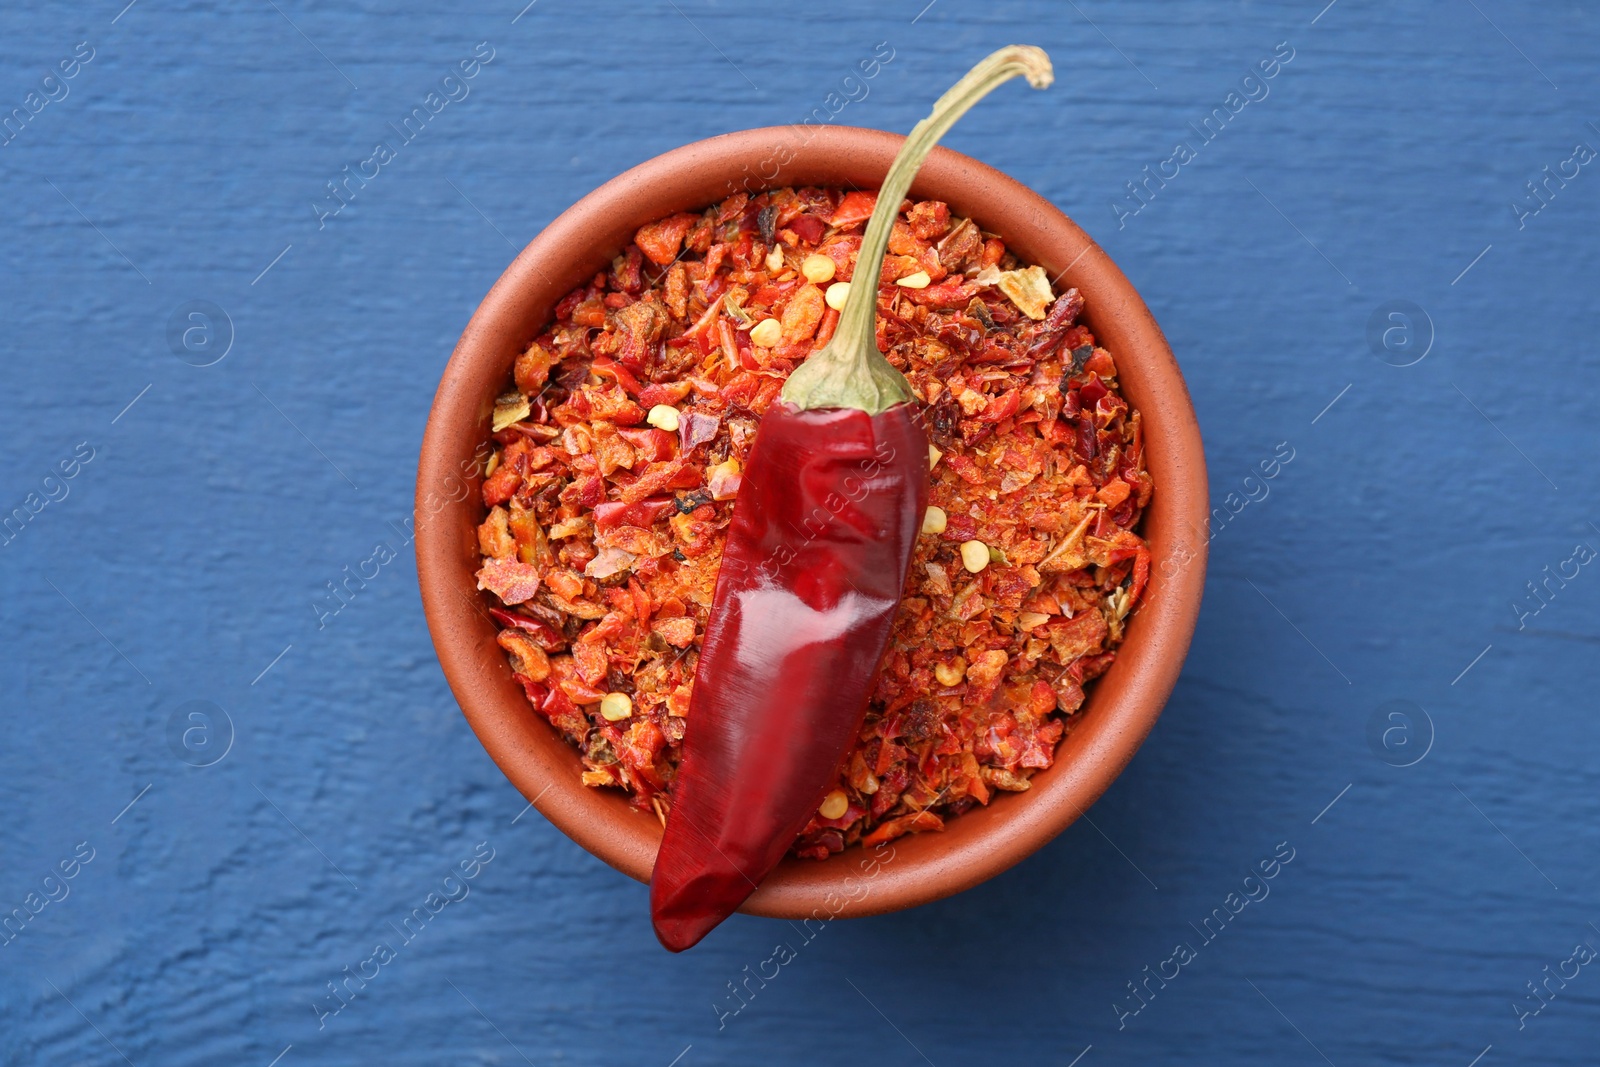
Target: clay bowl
1122	706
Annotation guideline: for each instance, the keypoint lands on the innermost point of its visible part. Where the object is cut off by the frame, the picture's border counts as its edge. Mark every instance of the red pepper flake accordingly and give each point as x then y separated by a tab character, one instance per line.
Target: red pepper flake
620	374
661	240
960	527
905	824
807	228
696	429
669	393
928	220
544	635
966	468
1002	407
679	632
644	513
944	295
659	477
511	581
1114	492
502	485
651	445
854	209
1091	391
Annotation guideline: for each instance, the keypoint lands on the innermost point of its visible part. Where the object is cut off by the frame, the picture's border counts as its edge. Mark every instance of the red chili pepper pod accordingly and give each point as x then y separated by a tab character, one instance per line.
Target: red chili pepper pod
813	568
812	574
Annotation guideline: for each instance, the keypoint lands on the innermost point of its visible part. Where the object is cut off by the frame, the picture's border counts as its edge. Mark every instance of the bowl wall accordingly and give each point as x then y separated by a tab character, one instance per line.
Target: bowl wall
1122	705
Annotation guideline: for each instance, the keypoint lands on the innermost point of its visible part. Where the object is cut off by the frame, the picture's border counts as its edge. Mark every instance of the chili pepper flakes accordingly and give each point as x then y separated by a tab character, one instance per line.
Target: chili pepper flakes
604	535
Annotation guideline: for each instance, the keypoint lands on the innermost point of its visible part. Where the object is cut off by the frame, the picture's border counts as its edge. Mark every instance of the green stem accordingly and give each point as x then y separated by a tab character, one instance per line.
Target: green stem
850	372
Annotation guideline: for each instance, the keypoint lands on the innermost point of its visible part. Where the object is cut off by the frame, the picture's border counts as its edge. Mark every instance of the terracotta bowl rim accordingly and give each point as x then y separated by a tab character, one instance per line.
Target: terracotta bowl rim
1122	706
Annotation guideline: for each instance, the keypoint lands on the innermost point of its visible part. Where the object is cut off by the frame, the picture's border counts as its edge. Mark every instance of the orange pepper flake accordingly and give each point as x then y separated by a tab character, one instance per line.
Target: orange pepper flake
802	314
661	240
1114	492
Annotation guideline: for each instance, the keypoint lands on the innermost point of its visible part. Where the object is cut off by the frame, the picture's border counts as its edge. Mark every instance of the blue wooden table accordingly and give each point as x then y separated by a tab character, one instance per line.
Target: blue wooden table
1368	231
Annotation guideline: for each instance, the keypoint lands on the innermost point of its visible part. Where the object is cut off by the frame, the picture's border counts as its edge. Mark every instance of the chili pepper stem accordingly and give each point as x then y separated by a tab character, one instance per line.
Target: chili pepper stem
850	372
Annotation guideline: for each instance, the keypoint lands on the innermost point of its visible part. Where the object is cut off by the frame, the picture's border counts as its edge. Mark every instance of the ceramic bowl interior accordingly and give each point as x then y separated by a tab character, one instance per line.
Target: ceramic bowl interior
1121	706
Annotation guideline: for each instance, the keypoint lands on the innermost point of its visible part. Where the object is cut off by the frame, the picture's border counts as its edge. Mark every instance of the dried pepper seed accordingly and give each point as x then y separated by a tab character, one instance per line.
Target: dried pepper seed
919	280
934	520
767	333
817	268
615	707
834	805
775	259
663	417
952	672
836	295
974	556
934	455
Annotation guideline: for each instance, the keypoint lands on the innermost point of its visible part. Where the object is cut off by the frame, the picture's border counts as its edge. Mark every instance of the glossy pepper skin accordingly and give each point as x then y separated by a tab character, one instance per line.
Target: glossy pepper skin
815	561
812	571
